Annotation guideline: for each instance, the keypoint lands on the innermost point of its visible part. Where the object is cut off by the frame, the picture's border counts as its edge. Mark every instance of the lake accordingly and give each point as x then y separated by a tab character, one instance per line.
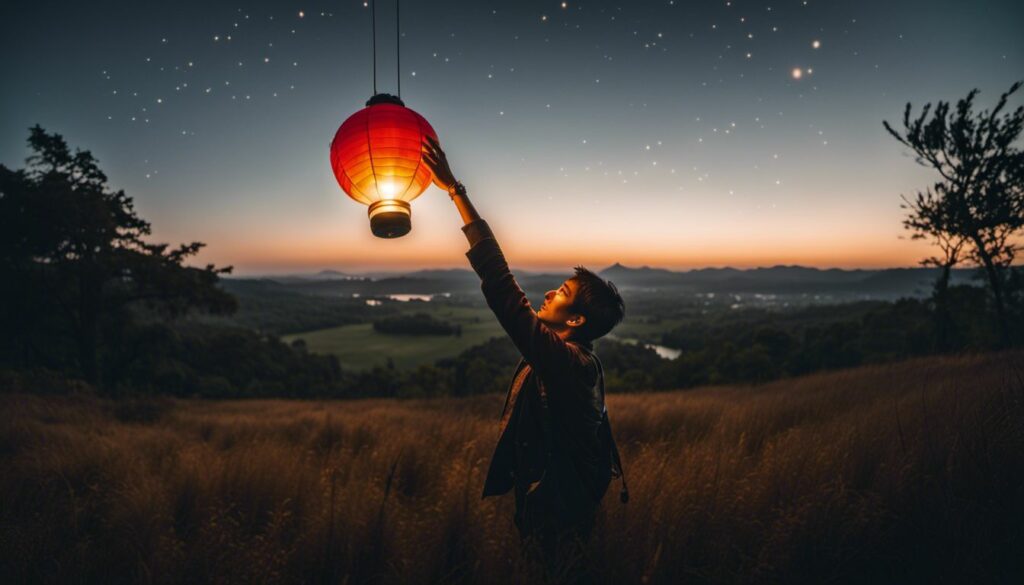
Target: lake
669	353
403	298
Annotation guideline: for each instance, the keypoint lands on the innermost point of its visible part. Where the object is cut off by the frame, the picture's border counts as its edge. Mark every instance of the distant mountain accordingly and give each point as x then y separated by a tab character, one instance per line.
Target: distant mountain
772	280
331	274
616	269
319	276
442	274
783	279
643	277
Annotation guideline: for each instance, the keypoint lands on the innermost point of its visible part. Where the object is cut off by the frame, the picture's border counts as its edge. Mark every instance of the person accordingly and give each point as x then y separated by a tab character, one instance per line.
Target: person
555	450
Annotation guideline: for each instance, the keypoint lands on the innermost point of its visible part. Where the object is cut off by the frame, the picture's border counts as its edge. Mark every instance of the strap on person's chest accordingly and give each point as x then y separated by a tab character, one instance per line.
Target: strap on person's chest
624	492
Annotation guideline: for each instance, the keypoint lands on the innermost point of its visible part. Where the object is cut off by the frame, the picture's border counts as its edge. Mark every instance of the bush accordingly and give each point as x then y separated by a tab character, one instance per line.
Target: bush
41	381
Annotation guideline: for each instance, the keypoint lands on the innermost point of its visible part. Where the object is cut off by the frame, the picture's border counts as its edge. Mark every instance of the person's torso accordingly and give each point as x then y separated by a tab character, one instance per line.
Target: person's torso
574	408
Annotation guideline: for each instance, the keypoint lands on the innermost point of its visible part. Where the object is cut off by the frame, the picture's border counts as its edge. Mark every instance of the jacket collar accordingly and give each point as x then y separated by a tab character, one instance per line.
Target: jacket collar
587	344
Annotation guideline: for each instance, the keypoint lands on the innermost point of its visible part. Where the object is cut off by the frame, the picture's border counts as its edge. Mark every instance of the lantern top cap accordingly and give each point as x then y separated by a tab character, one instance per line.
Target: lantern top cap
385	98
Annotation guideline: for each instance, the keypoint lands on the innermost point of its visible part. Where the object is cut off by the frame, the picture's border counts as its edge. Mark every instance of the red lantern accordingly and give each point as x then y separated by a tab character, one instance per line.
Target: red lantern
376	156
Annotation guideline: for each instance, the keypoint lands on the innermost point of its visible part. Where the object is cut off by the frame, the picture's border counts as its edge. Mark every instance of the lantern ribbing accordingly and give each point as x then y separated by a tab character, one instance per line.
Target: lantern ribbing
377	158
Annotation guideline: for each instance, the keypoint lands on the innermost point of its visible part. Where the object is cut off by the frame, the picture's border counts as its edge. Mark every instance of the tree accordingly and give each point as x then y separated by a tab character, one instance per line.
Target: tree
73	258
977	207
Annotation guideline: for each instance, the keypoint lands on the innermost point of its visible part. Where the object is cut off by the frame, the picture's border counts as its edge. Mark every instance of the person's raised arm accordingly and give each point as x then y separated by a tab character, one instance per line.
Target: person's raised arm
540	346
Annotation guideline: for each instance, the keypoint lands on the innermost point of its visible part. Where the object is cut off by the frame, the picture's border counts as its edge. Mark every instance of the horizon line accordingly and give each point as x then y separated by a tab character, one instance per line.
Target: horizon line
364	272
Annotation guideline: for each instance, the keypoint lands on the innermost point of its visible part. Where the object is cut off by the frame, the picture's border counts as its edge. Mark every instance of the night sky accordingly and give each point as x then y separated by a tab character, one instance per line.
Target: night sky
676	134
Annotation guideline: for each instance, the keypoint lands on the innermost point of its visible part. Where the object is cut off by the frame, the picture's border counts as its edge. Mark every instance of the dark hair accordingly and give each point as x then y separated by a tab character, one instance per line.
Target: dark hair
599	301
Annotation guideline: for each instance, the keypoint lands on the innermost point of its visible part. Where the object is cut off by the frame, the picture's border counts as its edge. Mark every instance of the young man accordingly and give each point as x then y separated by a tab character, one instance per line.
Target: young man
555	448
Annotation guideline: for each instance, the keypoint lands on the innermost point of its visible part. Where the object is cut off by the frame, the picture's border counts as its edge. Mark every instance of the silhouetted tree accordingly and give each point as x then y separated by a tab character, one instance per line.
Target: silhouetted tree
952	248
979	199
73	257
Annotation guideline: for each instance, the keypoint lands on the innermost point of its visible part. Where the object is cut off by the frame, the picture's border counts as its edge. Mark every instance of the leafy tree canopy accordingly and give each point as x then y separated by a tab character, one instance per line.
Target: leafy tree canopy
74	259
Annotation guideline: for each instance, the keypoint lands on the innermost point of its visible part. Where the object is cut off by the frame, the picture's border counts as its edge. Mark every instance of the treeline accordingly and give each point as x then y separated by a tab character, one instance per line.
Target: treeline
758	345
726	347
270	307
416	324
729	347
736	347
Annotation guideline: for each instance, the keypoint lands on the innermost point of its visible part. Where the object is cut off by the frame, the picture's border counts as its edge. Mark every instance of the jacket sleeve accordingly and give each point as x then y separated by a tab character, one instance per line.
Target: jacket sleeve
542	348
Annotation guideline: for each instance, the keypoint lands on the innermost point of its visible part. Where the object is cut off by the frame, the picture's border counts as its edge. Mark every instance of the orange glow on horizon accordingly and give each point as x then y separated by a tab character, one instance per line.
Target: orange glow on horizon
296	256
541	240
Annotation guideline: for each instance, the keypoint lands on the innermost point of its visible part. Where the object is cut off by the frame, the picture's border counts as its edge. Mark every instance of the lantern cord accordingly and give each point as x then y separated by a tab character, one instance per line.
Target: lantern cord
398	49
398	43
373	26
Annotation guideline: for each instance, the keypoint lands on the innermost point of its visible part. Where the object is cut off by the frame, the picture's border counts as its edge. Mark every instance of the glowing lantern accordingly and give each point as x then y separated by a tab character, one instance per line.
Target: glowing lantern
376	156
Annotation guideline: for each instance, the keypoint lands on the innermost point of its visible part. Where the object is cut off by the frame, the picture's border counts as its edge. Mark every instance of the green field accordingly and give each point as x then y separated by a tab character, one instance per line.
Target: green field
359	347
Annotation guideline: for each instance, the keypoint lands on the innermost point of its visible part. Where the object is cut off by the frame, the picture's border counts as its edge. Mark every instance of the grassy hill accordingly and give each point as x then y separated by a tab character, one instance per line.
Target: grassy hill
905	473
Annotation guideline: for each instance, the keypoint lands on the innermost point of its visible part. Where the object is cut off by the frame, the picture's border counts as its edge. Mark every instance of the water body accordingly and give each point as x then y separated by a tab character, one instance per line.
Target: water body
669	353
404	298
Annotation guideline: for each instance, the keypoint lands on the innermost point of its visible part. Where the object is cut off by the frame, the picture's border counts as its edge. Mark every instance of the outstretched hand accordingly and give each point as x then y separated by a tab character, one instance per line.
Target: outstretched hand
438	163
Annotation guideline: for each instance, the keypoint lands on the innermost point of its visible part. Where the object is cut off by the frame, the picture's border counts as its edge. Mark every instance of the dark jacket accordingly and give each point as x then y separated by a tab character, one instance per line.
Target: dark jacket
565	376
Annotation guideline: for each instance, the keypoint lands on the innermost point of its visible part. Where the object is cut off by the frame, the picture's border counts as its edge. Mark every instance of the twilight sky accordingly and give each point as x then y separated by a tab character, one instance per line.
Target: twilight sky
669	133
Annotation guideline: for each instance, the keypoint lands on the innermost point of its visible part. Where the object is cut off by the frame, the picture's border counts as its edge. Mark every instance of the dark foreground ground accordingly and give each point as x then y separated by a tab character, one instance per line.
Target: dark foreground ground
905	473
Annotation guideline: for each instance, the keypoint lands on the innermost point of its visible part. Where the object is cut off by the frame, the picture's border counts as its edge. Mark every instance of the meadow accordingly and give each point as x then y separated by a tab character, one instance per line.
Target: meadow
910	472
358	346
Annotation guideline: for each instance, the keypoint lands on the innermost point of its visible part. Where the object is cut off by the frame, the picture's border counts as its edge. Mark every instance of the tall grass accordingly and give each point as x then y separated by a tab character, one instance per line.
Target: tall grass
911	472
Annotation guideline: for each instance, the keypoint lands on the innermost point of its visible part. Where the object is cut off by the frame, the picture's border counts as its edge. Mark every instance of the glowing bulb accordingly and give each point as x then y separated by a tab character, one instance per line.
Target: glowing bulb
388	189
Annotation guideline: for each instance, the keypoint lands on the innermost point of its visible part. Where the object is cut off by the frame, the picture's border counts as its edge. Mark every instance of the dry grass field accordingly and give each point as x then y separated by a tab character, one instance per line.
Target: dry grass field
904	473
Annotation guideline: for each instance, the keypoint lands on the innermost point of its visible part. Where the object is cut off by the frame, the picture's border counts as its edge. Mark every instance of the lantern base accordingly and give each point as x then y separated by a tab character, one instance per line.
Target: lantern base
390	218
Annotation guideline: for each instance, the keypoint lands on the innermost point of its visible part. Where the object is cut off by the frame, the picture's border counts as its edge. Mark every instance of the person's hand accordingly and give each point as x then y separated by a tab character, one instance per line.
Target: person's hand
438	163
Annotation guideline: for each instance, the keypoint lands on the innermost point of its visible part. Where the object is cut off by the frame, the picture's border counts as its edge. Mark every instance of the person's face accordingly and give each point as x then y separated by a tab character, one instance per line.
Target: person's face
556	310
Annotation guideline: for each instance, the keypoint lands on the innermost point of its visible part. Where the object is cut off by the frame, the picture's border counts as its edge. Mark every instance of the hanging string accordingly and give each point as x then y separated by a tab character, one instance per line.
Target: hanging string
373	25
398	50
398	43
